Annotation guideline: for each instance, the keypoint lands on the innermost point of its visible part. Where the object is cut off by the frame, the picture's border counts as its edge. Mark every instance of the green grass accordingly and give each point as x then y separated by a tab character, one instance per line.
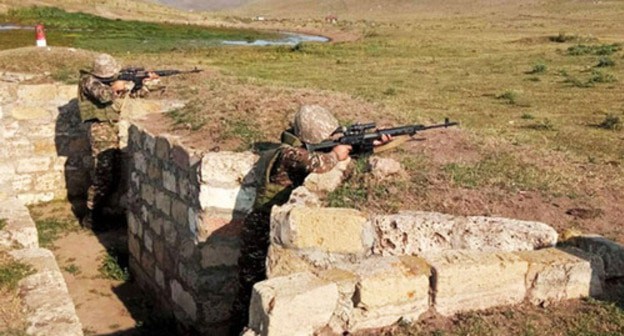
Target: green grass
600	50
49	230
72	269
604	62
11	272
111	269
92	32
504	171
538	69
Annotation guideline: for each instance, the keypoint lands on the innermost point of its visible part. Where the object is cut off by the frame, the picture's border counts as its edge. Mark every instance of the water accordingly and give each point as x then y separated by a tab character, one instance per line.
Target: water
287	39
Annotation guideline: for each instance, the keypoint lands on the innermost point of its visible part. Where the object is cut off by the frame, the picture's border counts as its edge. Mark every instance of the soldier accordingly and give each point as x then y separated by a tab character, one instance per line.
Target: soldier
282	170
100	107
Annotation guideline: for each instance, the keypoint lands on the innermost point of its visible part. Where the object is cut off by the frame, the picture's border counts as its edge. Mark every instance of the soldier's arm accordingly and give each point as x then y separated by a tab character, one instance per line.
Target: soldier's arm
312	162
97	90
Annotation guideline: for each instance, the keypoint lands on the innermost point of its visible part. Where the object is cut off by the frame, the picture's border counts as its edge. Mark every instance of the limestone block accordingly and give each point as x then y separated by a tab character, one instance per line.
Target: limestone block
294	305
22	183
598	276
162	148
342	318
134	246
149	143
388	281
159	277
163	202
410	233
169	181
329	181
429	232
470	280
148	193
326	229
555	275
383	167
219	254
20	229
50	181
282	262
33	198
504	234
33	164
42	93
228	169
181	156
612	253
239	199
139	162
45	147
65	93
49	309
179	212
30	113
184	300
148	241
154	171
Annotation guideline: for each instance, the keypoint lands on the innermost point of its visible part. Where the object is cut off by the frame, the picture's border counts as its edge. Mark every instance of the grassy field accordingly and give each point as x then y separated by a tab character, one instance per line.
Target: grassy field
536	86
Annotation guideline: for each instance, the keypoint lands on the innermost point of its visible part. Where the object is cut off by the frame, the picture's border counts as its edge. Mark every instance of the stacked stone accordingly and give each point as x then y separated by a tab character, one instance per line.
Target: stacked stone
184	223
47	306
42	138
376	270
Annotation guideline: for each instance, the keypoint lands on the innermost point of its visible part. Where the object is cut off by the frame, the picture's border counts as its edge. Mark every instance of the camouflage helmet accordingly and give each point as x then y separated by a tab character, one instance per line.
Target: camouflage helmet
314	124
105	66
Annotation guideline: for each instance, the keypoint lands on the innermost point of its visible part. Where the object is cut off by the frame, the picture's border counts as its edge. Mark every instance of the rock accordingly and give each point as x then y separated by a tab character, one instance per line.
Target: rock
184	300
303	196
430	232
20	229
298	304
612	253
329	181
470	280
228	169
555	275
382	168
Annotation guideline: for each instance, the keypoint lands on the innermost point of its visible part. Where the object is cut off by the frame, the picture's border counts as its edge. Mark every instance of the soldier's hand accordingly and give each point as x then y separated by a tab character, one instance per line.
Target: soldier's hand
152	76
384	139
118	86
341	152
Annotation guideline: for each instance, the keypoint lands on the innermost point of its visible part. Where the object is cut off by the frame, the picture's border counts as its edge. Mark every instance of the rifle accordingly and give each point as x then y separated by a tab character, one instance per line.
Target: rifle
137	75
362	136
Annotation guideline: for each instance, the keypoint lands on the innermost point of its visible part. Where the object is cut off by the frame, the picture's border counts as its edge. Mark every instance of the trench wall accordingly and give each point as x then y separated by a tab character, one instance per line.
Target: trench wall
184	220
44	145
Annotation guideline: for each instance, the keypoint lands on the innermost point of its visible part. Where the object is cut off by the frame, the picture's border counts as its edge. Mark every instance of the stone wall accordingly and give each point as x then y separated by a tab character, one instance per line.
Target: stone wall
44	145
184	221
344	270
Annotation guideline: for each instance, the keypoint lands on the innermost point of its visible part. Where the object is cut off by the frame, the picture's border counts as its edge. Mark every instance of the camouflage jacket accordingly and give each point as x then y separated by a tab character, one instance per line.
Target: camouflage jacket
96	100
284	169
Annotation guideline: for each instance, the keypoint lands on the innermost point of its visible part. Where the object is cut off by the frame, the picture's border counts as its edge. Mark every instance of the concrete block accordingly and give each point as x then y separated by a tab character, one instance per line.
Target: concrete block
228	169
154	172
612	253
50	181
20	229
36	197
555	275
148	194
294	305
470	280
179	212
238	199
21	183
163	202
326	229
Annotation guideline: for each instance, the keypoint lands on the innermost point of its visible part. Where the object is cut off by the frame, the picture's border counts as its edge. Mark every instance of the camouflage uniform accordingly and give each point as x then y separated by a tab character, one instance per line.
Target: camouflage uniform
284	169
100	109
